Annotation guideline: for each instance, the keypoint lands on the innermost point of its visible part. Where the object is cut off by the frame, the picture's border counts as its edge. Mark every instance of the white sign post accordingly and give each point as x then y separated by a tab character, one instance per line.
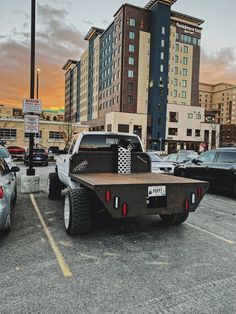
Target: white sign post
32	106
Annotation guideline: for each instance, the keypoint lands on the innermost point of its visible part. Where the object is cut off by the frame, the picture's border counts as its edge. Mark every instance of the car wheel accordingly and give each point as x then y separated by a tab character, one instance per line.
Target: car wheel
77	214
234	189
54	186
7	227
174	219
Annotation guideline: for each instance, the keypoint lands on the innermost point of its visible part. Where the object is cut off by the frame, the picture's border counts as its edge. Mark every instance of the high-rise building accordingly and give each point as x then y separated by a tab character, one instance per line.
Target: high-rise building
220	100
146	58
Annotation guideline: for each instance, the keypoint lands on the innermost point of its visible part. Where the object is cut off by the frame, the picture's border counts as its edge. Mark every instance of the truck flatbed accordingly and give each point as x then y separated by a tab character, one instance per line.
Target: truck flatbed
93	180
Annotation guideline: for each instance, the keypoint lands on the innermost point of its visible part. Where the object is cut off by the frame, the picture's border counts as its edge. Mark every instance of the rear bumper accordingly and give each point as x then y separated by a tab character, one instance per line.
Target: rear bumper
179	199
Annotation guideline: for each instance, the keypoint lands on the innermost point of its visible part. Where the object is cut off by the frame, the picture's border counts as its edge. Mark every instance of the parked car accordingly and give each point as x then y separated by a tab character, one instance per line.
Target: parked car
159	165
40	157
188	152
16	151
176	159
54	150
4	153
8	194
216	166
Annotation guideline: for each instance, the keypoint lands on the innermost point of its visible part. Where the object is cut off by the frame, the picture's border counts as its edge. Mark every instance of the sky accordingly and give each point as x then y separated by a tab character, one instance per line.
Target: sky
60	29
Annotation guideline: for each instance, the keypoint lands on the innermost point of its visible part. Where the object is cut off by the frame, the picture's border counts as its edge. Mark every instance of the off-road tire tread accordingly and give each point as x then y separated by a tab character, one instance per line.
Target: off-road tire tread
174	219
80	215
55	186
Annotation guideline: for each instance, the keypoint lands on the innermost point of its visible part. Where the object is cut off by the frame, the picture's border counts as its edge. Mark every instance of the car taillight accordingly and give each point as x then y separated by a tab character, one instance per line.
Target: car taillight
186	207
199	192
108	196
1	192
124	209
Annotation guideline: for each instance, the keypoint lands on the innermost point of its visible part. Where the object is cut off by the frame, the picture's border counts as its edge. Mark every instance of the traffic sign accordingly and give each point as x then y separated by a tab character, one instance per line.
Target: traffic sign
32	106
31	124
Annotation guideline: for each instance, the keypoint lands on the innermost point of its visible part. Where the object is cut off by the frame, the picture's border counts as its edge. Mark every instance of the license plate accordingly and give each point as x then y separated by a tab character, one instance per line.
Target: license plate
154	191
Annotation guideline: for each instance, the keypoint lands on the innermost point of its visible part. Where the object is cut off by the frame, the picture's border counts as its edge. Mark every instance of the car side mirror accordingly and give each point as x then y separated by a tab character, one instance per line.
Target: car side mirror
197	161
14	169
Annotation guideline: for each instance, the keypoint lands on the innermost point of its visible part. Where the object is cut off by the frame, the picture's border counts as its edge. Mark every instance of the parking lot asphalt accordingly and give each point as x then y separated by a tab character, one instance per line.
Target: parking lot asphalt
128	266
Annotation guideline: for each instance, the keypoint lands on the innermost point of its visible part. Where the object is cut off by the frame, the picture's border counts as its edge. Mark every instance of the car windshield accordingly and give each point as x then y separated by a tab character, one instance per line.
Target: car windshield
155	158
4	153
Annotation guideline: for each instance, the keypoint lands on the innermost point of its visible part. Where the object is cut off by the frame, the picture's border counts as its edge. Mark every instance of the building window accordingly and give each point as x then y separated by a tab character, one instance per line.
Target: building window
175	93
184	83
184	95
197	132
130	73
131	48
123	128
189	132
8	133
130	98
55	135
185	60
173	116
172	131
162	43
109	128
175	82
131	60
132	22
176	70
162	55
163	30
176	59
198	116
176	47
131	35
130	86
38	135
190	116
185	72
185	49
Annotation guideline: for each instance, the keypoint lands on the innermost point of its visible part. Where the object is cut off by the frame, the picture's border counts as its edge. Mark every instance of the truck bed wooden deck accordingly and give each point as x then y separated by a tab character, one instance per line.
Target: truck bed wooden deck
93	180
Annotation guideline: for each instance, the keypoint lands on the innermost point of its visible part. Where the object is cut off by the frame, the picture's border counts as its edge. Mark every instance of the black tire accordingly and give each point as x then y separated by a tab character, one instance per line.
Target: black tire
7	228
77	214
54	186
15	197
234	189
174	219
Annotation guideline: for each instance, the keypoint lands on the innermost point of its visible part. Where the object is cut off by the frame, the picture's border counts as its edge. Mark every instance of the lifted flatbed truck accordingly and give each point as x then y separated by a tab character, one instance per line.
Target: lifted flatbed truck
94	184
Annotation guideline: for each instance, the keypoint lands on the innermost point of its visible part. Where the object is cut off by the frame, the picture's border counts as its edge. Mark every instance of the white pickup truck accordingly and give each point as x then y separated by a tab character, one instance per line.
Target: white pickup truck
112	171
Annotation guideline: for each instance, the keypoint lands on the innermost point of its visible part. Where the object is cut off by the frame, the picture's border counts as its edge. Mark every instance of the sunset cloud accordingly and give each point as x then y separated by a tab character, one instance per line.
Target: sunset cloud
56	41
219	66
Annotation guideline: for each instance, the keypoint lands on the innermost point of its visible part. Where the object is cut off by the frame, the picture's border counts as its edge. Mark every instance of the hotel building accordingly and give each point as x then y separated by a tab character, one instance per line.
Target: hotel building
147	60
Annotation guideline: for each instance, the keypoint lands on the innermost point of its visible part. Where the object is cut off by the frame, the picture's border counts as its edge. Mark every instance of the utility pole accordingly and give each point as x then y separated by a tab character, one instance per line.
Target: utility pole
31	170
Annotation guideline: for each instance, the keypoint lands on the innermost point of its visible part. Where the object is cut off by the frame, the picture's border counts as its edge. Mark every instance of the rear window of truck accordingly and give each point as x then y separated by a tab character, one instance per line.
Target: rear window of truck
107	143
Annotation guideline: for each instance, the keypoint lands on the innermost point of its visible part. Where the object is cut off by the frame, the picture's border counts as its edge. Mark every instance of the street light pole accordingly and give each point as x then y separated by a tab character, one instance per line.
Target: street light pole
37	83
31	171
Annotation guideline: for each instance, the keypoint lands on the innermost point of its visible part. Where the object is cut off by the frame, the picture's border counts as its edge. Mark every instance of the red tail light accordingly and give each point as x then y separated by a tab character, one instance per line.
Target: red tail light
199	192
186	209
124	209
108	196
1	192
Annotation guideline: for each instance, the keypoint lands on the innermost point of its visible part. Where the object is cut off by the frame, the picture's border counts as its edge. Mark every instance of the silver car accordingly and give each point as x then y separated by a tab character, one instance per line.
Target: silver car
159	165
8	194
4	153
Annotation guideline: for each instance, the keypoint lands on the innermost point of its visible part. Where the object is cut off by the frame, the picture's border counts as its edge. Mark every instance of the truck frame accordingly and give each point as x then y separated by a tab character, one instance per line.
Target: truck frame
93	184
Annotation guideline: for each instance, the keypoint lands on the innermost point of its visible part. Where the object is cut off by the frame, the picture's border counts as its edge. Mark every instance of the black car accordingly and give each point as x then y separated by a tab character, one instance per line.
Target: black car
40	157
216	166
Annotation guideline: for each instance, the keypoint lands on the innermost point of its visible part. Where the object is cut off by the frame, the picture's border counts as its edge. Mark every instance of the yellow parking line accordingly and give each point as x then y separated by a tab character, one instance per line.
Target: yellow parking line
212	234
61	262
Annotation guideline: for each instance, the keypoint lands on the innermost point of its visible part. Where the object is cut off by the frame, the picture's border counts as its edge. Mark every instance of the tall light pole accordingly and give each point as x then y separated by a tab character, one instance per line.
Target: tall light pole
31	171
37	83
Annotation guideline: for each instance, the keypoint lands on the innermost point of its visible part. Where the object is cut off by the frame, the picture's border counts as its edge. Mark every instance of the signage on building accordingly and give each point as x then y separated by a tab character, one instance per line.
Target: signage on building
32	106
31	124
17	112
188	29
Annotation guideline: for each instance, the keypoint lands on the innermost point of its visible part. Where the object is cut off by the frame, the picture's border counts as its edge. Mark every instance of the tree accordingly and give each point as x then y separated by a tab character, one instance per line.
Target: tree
68	131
